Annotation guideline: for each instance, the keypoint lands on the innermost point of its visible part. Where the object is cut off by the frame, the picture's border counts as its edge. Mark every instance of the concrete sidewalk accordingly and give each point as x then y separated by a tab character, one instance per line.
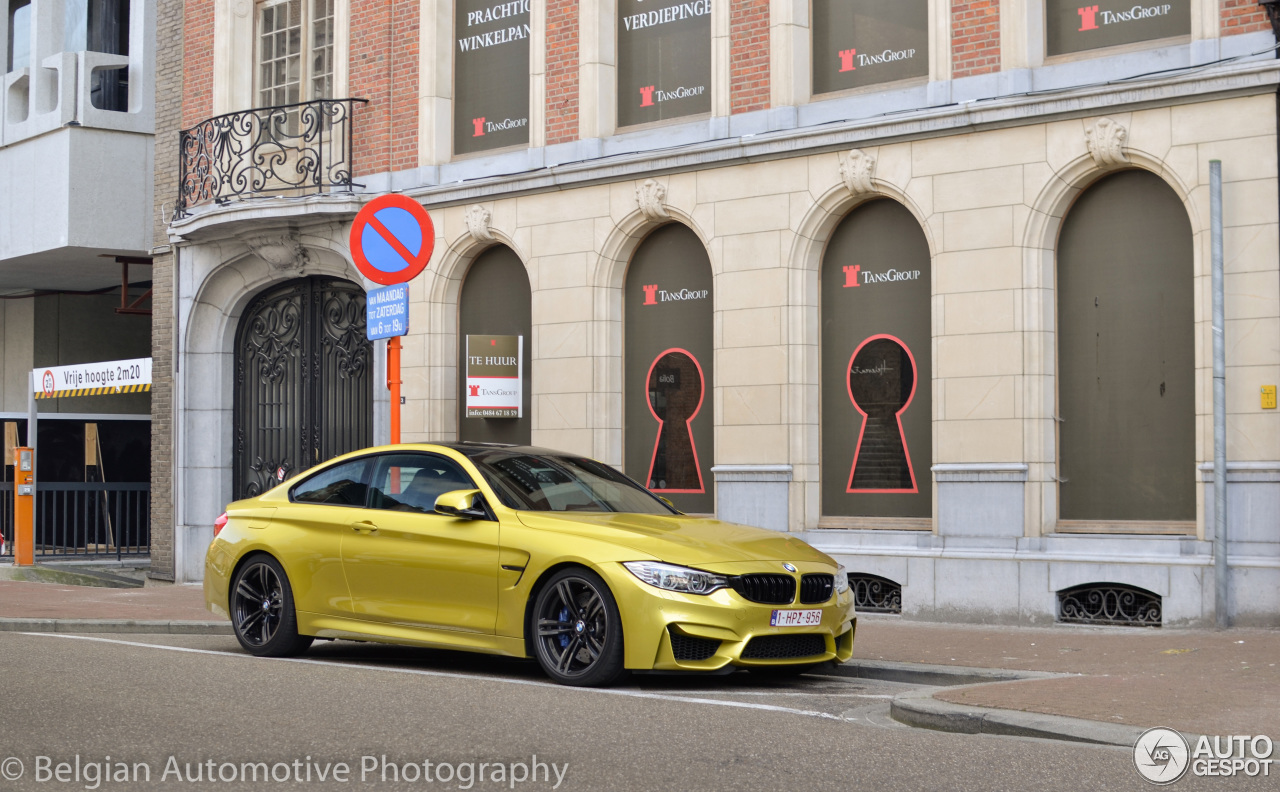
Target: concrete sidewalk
1197	681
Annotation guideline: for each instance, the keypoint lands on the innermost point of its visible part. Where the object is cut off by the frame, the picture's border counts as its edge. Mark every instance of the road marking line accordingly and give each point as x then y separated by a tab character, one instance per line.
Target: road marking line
778	693
452	675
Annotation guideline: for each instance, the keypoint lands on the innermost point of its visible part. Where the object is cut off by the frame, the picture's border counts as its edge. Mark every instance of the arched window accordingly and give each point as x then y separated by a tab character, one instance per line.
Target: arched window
495	328
877	366
1126	354
669	401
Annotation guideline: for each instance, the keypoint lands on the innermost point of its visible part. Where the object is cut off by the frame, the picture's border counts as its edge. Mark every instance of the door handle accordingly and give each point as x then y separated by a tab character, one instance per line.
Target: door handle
366	528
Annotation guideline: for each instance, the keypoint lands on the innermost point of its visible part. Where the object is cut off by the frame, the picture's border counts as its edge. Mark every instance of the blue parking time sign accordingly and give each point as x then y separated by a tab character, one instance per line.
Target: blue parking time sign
387	312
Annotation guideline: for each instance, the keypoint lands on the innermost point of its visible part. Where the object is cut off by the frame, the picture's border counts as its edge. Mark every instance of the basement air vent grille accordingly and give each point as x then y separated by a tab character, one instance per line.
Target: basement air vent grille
1109	603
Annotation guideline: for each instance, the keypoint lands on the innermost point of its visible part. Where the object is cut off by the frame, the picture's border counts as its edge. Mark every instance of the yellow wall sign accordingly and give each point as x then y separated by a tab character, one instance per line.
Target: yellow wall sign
1268	397
93	379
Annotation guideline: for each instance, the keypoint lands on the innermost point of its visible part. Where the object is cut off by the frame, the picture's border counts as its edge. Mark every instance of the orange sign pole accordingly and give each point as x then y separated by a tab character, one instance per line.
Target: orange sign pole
24	550
393	383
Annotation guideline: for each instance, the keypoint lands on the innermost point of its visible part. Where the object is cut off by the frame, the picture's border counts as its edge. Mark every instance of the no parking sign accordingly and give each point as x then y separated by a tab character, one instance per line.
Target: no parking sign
392	239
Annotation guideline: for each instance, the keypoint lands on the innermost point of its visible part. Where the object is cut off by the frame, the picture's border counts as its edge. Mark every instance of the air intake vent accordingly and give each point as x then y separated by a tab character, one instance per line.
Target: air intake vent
765	589
1109	603
687	647
784	647
874	594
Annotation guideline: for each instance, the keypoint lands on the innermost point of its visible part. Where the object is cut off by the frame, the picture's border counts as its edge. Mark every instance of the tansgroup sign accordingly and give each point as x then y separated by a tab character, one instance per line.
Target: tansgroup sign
1075	26
664	60
865	42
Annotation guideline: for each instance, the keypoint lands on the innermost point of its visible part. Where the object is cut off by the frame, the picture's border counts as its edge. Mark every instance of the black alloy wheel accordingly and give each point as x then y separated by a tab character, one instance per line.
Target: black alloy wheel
262	610
578	632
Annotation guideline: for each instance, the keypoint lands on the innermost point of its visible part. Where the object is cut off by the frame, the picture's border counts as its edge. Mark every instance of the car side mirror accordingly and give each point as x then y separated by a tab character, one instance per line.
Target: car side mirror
462	504
669	503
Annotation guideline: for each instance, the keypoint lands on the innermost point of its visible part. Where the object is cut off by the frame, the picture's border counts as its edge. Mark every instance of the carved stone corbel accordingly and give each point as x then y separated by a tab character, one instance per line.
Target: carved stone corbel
1106	142
857	171
283	250
651	197
478	223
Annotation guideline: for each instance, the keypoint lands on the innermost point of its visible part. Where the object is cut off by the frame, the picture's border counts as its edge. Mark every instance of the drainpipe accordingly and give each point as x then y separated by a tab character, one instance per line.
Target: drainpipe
1220	603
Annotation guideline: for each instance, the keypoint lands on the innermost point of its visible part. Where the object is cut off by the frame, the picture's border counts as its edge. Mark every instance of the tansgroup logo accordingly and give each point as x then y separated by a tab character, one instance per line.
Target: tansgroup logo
649	95
1089	15
483	125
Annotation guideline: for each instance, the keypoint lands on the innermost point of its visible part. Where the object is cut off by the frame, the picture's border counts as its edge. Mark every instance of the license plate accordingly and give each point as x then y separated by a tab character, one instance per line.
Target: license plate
796	618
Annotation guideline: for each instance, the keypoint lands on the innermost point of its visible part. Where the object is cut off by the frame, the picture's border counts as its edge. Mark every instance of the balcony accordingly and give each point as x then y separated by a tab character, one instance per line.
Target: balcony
289	150
77	115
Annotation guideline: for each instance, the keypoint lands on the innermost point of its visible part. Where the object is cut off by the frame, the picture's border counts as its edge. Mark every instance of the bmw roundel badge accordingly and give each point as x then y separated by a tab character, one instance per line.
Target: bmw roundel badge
788	567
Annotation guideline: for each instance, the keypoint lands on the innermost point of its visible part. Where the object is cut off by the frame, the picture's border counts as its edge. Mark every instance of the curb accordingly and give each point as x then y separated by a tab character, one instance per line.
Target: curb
134	626
918	708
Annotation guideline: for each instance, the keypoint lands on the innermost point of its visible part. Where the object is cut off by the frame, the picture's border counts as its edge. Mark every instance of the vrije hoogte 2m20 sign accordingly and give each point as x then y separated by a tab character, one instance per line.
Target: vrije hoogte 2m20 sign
490	75
866	42
1078	25
664	60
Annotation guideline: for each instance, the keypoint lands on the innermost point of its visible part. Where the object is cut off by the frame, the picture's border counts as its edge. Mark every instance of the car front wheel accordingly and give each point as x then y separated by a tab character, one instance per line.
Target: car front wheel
577	630
262	611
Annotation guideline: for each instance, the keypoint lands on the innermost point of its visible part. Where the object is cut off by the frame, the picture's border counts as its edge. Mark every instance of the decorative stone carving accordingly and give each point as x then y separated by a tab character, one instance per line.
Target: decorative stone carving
282	251
857	169
1106	142
478	223
651	197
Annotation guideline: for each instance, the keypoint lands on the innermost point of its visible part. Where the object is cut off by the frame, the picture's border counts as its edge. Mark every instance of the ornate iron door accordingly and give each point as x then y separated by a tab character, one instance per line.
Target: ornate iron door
303	389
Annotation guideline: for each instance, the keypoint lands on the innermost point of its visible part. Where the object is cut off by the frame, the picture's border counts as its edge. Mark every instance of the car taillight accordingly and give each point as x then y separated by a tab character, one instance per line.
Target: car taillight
219	523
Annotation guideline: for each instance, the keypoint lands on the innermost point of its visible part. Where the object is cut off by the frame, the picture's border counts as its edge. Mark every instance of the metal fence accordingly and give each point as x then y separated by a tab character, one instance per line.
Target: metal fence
92	520
294	149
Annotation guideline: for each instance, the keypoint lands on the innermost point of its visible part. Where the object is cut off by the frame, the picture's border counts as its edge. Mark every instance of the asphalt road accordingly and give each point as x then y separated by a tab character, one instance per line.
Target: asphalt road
386	711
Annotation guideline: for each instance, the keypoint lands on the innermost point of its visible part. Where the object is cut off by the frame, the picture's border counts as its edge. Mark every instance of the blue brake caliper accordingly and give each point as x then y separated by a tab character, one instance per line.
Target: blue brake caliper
564	619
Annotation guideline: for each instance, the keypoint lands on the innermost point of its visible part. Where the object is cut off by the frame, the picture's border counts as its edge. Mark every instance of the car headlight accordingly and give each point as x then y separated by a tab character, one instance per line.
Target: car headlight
676	578
842	579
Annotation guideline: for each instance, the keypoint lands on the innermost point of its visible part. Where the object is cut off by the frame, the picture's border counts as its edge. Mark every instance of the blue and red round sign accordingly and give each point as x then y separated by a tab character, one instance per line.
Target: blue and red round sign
392	239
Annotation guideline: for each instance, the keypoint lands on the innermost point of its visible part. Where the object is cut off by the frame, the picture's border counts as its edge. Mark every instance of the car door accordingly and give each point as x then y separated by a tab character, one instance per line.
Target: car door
406	564
307	534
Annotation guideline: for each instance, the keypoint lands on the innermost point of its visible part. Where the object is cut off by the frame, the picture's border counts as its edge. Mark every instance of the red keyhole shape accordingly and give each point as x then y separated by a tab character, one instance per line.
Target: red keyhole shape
675	388
879	366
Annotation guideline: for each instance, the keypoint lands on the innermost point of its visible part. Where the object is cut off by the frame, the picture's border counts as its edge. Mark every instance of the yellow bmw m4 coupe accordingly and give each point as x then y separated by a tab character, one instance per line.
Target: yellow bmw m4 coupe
521	552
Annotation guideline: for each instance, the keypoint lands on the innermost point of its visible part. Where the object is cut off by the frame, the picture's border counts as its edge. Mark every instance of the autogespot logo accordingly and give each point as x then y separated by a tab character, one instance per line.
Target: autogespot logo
1160	755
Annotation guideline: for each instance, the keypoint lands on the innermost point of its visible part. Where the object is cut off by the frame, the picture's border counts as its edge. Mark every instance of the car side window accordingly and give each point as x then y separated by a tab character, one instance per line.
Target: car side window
412	482
341	485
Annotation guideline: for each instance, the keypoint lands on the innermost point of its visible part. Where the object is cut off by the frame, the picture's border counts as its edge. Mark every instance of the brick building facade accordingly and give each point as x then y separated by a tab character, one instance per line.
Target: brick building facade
868	187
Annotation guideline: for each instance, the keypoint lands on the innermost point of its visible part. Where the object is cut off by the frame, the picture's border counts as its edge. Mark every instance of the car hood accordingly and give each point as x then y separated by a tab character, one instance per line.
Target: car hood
678	539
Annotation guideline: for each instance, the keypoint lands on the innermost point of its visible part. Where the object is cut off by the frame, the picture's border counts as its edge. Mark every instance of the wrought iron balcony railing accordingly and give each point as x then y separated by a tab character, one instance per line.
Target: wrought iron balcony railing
295	149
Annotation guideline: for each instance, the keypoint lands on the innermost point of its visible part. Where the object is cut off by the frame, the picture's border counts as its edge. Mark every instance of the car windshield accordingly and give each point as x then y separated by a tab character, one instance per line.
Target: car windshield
563	483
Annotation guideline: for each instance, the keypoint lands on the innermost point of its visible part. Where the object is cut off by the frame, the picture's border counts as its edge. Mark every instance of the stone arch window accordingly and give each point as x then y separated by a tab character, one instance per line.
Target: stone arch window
877	366
1126	354
669	439
496	305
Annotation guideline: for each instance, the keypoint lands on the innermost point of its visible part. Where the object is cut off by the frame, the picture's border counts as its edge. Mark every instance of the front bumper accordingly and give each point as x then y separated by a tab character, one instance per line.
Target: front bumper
655	620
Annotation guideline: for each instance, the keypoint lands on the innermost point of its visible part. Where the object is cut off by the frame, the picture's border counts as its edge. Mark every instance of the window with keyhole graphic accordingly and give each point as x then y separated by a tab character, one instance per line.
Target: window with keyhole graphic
882	383
675	386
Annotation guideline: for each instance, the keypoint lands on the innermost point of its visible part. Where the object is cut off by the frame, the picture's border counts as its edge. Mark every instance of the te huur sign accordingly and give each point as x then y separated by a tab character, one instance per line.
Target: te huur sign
495	376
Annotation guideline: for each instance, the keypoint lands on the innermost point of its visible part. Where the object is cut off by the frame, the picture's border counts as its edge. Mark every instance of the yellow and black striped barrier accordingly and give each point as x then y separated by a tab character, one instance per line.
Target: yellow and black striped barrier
108	390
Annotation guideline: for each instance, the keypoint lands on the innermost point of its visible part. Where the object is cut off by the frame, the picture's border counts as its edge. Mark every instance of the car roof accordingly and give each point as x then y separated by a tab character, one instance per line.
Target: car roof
471	449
